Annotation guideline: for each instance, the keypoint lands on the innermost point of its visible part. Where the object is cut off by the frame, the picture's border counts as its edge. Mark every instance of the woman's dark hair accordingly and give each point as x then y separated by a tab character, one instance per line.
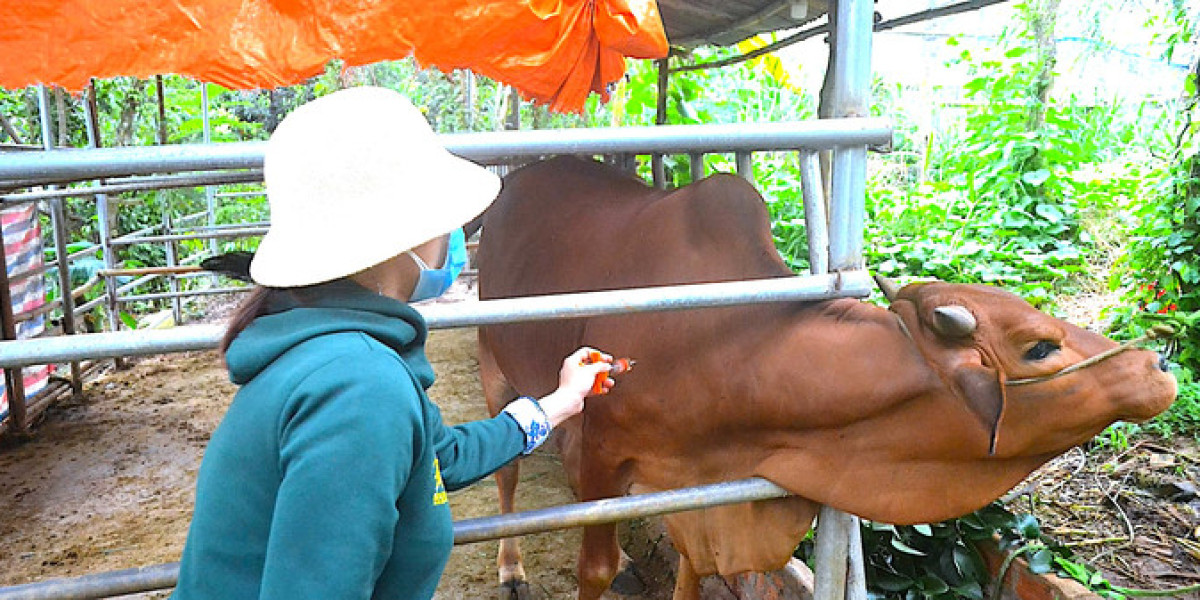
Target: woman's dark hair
250	309
258	303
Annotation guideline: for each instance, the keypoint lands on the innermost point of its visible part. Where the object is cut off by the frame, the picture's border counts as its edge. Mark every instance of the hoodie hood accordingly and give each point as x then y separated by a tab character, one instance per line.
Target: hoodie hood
295	316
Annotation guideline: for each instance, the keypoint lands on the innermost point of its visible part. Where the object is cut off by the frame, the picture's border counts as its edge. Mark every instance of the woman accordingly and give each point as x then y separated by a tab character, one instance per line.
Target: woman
327	478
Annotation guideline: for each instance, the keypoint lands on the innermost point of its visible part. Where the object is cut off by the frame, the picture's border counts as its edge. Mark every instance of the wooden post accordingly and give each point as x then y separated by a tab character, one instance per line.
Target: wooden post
162	110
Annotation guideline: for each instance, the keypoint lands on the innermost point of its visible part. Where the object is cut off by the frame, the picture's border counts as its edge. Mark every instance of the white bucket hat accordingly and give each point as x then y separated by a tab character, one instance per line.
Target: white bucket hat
355	178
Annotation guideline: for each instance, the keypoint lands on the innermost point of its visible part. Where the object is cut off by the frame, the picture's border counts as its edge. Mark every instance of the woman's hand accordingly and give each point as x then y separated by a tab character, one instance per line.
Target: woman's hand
575	381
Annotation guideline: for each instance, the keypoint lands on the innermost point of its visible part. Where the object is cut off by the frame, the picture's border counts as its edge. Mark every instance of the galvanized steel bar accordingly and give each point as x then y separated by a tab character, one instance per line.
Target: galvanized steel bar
182	294
856	575
62	256
140	184
486	147
745	166
696	165
612	510
852	23
241	194
104	221
831	553
816	223
589	304
210	201
239	232
469	314
172	262
671	139
98	585
67	296
467	531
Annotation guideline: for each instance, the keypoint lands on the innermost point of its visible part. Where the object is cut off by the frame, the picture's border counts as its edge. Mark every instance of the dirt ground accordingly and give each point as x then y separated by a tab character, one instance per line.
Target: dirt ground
107	482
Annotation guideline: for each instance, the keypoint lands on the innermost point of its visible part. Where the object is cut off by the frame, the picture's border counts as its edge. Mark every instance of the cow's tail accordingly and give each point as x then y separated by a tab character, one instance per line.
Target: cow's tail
234	264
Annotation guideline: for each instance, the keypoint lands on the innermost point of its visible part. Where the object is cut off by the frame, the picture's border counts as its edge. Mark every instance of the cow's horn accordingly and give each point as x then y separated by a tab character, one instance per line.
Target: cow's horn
888	286
953	321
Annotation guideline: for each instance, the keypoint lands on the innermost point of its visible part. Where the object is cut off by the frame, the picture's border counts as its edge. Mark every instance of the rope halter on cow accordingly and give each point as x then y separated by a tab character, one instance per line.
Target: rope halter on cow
957	322
1156	332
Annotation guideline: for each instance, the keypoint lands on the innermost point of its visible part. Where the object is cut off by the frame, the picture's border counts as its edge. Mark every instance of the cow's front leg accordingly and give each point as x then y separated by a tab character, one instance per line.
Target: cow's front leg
499	393
513	584
599	559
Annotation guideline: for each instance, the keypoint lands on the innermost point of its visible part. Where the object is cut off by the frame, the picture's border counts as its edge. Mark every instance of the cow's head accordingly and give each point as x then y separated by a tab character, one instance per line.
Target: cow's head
981	339
951	433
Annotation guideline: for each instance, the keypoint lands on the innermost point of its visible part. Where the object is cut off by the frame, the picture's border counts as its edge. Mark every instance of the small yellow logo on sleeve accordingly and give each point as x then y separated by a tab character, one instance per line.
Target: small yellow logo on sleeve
439	489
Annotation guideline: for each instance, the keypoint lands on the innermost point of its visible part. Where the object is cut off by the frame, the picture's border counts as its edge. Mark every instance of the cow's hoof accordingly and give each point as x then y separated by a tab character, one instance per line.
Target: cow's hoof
627	582
516	590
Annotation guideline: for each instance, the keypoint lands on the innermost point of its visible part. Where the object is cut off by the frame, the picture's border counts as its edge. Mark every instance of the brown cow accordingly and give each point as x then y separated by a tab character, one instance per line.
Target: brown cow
899	415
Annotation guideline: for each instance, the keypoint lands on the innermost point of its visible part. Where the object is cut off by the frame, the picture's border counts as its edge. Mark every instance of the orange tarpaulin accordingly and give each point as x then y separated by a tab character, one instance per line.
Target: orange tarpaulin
553	51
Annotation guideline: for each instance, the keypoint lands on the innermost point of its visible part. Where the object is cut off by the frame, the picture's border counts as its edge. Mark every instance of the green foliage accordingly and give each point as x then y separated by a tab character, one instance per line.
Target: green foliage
941	561
930	561
1162	269
1000	202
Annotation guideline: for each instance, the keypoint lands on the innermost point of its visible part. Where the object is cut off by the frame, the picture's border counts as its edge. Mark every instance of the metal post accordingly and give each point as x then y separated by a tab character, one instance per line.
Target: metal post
856	578
696	165
58	224
105	220
848	87
832	551
745	166
816	222
210	199
850	96
172	261
469	98
657	166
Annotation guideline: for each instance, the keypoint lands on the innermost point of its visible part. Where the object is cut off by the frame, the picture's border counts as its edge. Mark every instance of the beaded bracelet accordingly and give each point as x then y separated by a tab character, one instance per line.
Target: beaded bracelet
531	419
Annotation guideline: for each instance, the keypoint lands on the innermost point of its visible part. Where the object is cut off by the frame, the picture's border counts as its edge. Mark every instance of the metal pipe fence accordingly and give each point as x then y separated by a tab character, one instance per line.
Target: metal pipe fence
209	164
467	531
138	184
231	233
468	314
488	147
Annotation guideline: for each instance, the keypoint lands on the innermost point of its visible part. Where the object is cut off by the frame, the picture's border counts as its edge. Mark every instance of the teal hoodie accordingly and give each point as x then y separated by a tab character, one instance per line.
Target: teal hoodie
327	478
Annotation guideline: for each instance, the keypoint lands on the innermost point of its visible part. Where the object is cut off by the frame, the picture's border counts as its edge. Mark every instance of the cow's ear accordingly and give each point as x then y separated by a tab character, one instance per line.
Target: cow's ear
982	388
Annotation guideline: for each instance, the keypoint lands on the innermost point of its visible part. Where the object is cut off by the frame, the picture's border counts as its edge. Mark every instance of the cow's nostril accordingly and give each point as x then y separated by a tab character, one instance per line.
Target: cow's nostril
1162	363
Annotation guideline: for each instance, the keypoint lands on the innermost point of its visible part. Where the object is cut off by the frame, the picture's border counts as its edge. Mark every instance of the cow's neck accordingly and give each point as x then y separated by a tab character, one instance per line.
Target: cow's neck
840	361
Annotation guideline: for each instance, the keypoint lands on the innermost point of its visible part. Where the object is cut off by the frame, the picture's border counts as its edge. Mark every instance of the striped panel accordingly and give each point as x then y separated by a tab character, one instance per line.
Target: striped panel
23	252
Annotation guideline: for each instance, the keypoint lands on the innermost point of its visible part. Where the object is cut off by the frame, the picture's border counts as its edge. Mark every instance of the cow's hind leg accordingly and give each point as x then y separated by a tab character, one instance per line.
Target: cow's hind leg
499	393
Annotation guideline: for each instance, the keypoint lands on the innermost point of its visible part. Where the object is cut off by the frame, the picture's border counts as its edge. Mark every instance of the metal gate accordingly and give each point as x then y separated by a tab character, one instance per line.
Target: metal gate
834	226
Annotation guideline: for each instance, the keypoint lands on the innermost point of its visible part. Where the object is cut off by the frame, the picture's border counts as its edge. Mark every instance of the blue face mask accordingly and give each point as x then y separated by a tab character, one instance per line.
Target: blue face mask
432	283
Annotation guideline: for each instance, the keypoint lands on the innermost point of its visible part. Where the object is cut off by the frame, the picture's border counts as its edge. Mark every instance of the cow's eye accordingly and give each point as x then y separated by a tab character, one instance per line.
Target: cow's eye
1041	350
